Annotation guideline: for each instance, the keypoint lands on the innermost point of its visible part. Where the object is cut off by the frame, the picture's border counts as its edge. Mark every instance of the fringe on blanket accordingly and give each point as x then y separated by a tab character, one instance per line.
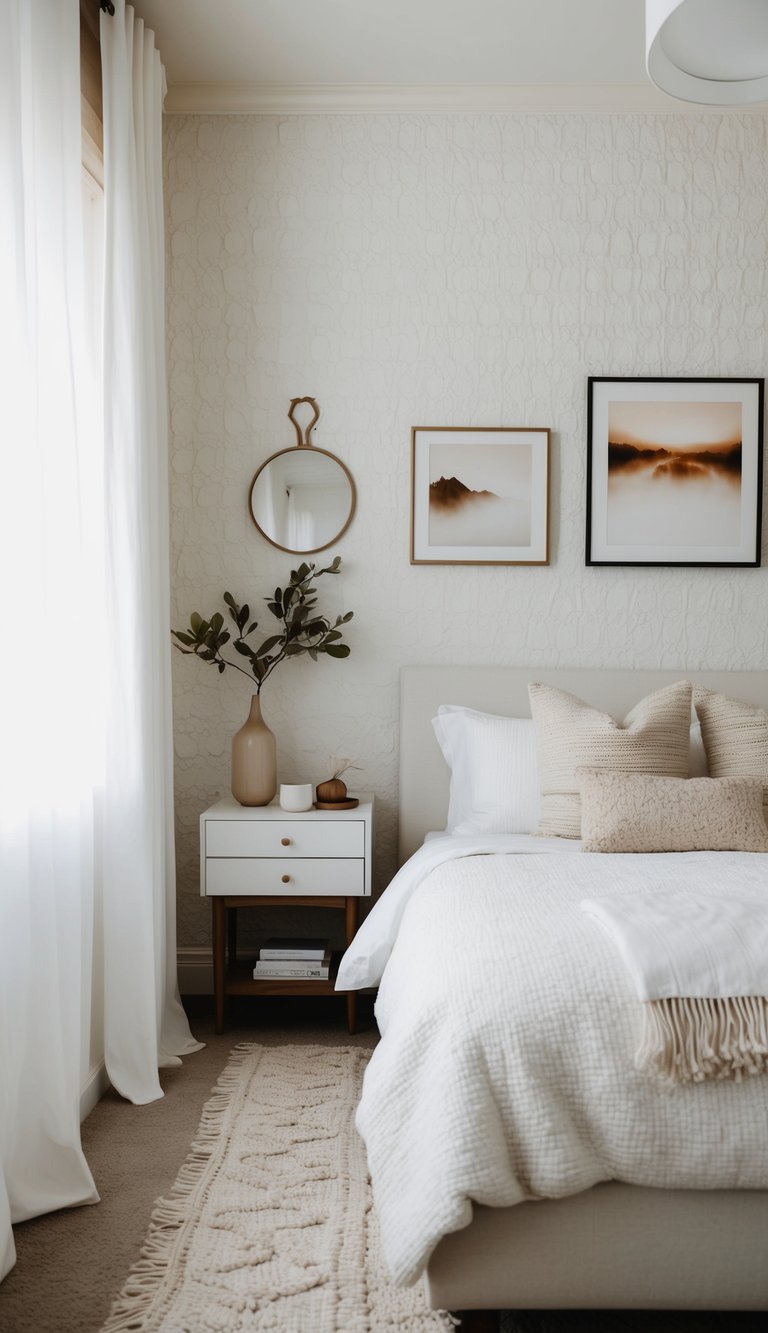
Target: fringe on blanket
687	1040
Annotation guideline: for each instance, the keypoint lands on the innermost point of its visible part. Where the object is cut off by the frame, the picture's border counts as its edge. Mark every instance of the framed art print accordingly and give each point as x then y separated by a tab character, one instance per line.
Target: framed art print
674	471
479	495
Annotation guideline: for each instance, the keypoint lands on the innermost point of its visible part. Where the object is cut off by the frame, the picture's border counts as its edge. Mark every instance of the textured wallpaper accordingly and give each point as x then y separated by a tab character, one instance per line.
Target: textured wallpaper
436	270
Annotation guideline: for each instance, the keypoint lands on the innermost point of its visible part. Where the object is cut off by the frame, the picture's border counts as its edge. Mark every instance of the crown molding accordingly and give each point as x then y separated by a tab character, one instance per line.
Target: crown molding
269	99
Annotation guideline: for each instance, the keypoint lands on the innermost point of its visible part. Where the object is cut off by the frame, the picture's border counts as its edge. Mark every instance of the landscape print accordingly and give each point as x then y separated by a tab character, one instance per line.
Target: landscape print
480	494
674	474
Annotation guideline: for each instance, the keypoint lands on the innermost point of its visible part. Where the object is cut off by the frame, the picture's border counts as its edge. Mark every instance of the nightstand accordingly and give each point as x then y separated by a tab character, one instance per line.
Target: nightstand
262	856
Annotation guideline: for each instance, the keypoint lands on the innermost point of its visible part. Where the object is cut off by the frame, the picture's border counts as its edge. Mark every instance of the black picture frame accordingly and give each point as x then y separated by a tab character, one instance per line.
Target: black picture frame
693	467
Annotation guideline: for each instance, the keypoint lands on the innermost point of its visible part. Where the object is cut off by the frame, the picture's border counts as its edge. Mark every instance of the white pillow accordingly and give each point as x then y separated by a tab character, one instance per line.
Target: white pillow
494	776
697	755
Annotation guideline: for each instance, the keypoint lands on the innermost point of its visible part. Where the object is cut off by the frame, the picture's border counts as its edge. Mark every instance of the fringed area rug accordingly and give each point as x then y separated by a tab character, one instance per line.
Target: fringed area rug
270	1223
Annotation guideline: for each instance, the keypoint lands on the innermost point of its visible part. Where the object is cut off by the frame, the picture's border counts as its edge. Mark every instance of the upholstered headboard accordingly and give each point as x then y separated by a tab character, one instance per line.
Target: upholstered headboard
424	776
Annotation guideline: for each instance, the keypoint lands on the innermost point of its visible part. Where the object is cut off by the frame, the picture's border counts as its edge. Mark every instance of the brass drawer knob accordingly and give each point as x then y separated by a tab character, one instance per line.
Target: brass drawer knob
286	879
286	842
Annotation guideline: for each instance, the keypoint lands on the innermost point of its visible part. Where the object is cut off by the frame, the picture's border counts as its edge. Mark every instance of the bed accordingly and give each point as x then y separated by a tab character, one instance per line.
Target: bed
605	1244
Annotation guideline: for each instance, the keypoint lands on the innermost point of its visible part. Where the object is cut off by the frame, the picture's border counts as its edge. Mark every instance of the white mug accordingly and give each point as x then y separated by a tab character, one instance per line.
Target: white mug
295	796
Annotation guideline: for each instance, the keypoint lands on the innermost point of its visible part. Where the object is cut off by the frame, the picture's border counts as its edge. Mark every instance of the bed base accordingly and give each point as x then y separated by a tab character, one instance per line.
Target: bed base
614	1247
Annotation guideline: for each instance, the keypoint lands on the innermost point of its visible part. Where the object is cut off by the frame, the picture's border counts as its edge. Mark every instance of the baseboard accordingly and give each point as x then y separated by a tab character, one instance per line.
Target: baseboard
195	970
93	1089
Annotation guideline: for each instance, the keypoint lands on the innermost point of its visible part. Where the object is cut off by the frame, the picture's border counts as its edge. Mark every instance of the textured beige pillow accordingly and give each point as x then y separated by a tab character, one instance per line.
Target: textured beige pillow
634	812
735	737
570	734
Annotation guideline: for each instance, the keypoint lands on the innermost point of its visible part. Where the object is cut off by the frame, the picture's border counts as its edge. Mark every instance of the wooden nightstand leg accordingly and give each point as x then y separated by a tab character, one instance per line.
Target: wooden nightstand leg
232	936
219	961
351	927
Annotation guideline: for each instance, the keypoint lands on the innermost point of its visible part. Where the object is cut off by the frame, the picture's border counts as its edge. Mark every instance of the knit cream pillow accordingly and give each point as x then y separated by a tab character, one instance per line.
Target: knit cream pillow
634	812
653	738
735	737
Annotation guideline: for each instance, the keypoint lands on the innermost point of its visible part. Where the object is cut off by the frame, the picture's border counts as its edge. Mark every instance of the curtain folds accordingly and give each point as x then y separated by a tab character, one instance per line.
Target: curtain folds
145	1025
86	806
49	487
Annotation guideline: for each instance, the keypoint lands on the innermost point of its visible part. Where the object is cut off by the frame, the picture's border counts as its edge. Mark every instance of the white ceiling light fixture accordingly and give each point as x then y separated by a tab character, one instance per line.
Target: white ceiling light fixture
709	51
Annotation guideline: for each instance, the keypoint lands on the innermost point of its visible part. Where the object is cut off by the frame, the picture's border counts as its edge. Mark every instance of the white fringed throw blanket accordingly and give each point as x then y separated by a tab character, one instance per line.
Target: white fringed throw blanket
509	1023
700	966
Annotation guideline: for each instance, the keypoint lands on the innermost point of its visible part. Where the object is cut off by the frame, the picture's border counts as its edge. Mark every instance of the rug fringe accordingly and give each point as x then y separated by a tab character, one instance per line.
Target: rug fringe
689	1039
171	1212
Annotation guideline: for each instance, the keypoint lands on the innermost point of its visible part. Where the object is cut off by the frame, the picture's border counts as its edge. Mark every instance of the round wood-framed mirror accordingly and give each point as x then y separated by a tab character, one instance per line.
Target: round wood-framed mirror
302	499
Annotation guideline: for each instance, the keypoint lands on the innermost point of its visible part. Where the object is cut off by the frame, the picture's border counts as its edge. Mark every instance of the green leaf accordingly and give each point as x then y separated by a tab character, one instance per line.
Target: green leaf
230	601
253	625
313	653
347	617
182	637
207	655
333	635
217	620
221	639
275	608
221	666
195	621
293	649
279	596
244	649
304	570
268	645
337	649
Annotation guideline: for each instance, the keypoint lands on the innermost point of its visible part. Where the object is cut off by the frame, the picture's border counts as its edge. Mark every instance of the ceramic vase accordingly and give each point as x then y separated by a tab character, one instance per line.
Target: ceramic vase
254	760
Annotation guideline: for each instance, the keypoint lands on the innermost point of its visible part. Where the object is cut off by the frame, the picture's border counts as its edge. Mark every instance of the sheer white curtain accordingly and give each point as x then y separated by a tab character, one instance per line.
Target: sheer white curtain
145	1025
50	499
85	654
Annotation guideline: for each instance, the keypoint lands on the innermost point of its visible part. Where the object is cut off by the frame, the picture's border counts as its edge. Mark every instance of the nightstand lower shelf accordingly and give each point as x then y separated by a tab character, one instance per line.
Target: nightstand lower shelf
240	981
231	977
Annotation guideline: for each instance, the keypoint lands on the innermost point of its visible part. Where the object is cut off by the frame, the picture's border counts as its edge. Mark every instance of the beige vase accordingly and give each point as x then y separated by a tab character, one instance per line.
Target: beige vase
254	760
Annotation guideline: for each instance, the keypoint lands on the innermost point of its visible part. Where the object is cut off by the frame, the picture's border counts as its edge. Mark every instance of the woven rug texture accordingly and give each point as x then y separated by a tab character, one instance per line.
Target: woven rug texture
270	1222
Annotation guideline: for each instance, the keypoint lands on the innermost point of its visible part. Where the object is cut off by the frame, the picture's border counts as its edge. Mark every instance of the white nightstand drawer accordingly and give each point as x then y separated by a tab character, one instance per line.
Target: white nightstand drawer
273	876
284	837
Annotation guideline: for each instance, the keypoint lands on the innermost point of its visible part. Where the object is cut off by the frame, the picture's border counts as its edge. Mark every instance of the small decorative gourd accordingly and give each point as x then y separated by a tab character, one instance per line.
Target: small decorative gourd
333	789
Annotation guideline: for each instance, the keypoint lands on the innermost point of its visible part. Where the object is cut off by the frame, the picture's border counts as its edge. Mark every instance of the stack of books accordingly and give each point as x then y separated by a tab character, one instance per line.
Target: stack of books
293	960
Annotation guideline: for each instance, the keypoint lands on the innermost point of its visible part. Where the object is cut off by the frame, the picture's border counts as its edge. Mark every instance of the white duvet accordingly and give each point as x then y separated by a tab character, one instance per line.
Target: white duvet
509	1025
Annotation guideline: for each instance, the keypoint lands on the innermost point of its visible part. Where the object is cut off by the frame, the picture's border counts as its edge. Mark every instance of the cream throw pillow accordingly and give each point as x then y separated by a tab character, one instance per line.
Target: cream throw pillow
735	737
634	812
570	734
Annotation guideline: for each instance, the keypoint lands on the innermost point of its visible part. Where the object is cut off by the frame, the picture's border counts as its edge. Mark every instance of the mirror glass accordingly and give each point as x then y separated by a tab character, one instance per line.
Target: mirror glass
302	499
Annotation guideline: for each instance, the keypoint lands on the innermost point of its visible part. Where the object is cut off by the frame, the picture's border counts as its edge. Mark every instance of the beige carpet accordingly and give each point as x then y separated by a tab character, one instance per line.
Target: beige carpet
270	1223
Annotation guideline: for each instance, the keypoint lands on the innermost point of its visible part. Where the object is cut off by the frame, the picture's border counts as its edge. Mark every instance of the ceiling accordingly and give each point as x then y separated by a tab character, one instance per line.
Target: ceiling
294	44
399	41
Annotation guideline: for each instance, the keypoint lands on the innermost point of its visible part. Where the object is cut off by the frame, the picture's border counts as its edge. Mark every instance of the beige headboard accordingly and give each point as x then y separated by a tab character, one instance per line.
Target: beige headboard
424	776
